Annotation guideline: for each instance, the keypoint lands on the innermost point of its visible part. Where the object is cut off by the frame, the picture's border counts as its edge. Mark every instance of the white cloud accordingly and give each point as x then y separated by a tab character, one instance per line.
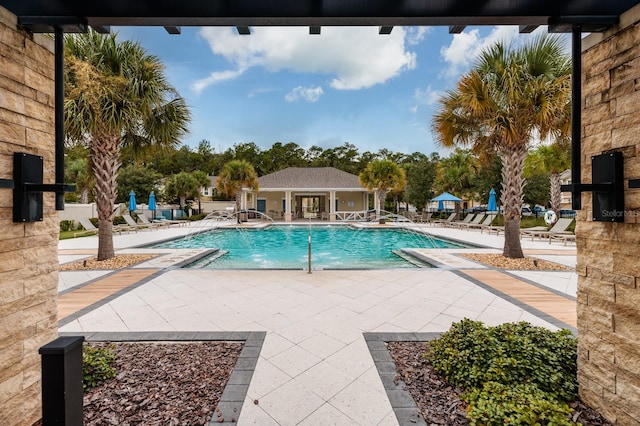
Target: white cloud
428	96
416	34
467	46
309	94
358	57
216	77
261	91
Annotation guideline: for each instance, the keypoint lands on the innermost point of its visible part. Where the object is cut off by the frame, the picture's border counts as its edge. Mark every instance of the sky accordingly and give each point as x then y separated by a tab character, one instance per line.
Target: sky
348	84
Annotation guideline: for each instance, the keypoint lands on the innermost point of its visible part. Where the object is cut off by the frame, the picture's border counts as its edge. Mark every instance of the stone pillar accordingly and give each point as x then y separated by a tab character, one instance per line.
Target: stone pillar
28	251
608	263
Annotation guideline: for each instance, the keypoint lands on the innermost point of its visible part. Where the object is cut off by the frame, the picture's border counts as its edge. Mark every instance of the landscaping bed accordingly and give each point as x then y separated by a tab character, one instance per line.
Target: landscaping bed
162	383
512	374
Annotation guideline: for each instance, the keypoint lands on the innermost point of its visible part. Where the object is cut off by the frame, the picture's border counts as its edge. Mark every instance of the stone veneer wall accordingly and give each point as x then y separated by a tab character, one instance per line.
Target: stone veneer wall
28	252
609	253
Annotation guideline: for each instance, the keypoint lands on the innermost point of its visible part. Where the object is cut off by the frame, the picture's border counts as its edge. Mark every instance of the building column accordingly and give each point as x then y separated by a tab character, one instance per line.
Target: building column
243	199
287	206
332	206
376	202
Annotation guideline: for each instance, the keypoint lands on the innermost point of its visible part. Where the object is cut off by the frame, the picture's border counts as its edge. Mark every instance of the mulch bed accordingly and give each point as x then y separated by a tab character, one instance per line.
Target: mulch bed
116	262
521	264
162	383
439	402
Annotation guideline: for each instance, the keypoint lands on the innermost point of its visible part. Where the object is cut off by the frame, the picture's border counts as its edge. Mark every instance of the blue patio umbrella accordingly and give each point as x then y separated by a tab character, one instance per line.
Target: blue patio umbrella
132	201
152	203
493	205
445	196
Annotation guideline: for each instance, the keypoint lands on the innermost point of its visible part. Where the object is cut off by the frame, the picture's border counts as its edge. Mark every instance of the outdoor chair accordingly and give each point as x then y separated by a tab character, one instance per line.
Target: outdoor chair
444	221
559	228
486	222
89	229
132	223
163	220
467	219
146	221
422	218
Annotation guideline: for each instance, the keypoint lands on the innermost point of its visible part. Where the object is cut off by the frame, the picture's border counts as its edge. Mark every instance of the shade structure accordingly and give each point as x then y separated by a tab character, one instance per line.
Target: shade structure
440	205
132	201
492	206
445	196
152	203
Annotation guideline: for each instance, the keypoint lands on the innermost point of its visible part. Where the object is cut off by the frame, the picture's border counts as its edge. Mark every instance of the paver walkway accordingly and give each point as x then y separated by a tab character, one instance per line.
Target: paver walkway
559	307
314	367
80	298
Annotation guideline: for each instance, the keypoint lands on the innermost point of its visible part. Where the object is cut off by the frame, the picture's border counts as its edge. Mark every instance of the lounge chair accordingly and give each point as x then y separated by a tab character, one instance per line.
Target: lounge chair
467	219
132	223
559	228
145	221
163	219
443	221
486	222
89	229
474	219
422	218
565	238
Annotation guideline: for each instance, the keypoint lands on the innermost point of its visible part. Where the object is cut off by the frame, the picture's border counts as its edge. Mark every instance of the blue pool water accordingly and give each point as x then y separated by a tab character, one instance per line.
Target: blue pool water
286	247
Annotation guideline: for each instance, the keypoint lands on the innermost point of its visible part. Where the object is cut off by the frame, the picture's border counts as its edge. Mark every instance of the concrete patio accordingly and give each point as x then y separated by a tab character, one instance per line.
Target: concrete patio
315	367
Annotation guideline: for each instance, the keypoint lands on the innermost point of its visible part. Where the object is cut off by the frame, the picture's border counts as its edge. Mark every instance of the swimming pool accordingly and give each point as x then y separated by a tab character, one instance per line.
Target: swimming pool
286	247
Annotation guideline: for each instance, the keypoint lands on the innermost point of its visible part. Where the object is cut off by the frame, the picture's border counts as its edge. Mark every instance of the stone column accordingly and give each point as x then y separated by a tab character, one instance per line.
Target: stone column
608	264
28	251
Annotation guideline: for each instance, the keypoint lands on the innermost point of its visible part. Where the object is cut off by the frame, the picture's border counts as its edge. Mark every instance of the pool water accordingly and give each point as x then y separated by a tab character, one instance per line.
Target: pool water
286	247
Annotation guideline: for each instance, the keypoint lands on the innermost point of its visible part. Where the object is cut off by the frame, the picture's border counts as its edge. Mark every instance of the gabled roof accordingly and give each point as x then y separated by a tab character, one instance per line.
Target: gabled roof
310	178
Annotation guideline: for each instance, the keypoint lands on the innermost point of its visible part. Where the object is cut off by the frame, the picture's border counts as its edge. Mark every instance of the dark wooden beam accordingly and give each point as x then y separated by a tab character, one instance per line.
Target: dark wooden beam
249	13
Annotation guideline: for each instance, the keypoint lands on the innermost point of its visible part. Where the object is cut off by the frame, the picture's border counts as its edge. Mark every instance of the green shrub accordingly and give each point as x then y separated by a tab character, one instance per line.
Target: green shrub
511	373
195	217
66	225
496	405
470	354
97	365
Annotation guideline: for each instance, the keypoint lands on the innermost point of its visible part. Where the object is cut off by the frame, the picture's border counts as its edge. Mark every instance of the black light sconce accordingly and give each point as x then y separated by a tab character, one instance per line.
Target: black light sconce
607	187
28	187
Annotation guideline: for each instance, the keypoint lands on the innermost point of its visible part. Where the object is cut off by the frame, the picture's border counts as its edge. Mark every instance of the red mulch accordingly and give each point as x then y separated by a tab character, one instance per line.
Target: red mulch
162	383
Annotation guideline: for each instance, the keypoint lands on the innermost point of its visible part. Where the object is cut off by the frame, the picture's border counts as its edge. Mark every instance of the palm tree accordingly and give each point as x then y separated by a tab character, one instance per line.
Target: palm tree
456	174
510	97
554	159
117	96
234	176
383	176
182	186
78	172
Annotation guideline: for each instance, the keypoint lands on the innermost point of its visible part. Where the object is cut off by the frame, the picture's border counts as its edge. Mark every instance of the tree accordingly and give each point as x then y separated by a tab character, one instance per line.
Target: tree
117	96
78	172
182	186
235	175
510	97
552	159
202	180
421	174
139	179
457	173
383	176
